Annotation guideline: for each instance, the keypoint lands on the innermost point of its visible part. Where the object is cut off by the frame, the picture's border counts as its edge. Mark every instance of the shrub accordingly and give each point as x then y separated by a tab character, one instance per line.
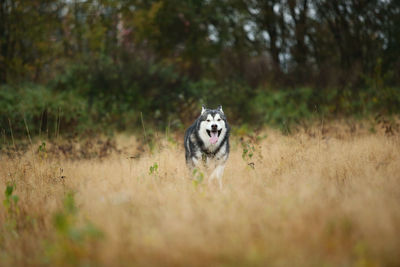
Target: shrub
43	110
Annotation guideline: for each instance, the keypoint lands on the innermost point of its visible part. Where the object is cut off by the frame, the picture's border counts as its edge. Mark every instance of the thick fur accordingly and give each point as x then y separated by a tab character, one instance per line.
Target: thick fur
200	150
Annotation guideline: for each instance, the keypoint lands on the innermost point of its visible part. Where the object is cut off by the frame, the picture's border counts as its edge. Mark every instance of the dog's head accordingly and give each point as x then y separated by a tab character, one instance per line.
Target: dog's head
212	126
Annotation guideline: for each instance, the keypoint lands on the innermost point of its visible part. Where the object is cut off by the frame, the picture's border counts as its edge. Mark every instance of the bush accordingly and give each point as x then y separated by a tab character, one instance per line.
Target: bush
284	108
43	110
101	96
117	92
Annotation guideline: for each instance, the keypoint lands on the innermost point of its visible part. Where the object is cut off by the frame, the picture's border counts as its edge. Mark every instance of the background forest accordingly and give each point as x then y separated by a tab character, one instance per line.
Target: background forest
99	65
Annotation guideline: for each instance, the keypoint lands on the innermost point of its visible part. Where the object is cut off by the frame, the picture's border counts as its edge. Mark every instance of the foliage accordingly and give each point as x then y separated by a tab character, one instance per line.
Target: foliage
74	242
286	108
49	112
44	110
198	177
153	169
10	203
78	66
42	151
248	151
307	42
13	220
283	108
117	93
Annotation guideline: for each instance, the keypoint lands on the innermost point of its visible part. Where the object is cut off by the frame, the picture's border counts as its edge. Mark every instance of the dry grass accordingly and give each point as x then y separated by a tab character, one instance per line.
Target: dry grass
311	200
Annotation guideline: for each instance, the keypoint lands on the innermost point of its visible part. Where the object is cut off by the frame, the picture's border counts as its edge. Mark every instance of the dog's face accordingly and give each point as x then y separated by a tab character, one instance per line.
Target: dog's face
213	126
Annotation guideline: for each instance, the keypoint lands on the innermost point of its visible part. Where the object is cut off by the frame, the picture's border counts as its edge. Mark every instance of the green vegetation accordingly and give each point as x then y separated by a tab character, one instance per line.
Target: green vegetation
74	67
198	177
49	112
153	170
74	242
10	203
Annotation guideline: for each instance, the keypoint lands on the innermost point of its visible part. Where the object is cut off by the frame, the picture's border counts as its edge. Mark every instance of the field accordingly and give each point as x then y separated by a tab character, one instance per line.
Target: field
327	195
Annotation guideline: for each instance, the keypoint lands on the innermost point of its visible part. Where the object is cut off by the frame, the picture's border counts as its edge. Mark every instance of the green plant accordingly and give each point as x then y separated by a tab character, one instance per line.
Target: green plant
74	240
198	177
10	203
42	152
11	200
284	108
248	150
153	169
41	109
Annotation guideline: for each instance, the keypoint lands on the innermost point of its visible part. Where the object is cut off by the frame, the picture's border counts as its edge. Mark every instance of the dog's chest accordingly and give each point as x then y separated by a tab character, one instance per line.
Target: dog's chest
208	156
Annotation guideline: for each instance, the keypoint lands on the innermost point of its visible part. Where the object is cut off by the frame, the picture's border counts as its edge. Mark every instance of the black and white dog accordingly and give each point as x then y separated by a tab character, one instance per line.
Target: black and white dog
207	142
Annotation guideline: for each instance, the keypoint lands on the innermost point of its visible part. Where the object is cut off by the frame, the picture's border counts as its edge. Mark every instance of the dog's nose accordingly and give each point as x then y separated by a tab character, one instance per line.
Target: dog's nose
214	126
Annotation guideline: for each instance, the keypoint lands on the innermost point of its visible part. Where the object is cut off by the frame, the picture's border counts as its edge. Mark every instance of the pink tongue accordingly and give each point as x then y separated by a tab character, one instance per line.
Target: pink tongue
214	138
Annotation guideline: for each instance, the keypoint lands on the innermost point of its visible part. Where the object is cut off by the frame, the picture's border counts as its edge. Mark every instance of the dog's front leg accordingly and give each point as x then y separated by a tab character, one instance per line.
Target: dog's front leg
195	160
217	173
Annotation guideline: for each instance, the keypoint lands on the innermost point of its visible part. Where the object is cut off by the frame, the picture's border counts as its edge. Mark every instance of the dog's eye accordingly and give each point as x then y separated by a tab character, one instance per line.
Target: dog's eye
219	119
208	120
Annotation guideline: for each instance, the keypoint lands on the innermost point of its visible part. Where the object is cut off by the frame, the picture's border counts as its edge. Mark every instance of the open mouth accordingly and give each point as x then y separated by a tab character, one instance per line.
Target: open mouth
214	131
214	135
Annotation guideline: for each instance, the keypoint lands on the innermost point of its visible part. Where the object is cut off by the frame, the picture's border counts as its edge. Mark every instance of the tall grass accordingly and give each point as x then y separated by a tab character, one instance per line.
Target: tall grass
325	196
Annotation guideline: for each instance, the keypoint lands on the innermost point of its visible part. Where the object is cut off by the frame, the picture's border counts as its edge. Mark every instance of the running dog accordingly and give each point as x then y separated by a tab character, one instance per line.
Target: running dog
207	142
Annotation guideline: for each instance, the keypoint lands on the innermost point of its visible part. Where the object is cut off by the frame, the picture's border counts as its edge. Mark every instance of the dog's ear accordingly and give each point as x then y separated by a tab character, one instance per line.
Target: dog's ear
203	109
220	109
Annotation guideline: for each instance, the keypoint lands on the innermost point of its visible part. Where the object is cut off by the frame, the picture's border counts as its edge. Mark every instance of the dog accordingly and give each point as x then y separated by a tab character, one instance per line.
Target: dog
207	143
